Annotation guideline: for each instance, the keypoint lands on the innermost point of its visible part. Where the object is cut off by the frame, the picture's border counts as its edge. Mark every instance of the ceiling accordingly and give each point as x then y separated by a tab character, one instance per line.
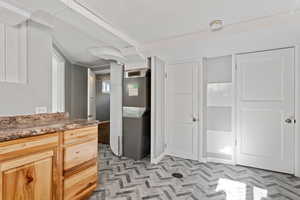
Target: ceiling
145	22
148	21
73	33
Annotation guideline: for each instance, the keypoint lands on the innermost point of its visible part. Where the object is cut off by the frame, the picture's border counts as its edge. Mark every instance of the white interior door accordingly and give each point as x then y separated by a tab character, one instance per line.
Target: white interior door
116	108
58	82
182	110
157	109
266	110
91	95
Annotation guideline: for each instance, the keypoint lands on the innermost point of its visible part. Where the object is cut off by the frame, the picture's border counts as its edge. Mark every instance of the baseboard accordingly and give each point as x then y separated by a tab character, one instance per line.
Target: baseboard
218	160
158	159
203	160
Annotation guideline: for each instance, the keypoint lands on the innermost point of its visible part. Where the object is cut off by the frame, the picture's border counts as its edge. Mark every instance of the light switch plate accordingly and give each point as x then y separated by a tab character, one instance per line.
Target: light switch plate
39	110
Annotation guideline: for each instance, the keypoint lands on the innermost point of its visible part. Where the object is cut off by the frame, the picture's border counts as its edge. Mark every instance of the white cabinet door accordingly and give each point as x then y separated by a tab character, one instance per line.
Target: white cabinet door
182	110
266	110
116	108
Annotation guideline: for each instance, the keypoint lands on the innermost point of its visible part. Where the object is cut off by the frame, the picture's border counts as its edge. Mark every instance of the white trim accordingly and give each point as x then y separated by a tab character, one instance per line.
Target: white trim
99	20
158	159
153	107
60	81
204	109
297	110
63	51
218	160
200	110
187	60
15	9
165	110
234	107
57	54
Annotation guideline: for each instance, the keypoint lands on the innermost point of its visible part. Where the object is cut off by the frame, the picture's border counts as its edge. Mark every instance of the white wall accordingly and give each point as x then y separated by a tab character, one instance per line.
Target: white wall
269	33
23	98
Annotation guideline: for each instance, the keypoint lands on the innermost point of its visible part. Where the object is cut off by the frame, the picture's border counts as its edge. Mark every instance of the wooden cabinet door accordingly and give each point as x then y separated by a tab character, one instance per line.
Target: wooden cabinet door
27	178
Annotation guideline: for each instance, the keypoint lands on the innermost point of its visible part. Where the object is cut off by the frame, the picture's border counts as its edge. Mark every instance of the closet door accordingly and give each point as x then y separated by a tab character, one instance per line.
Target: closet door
157	109
116	109
266	110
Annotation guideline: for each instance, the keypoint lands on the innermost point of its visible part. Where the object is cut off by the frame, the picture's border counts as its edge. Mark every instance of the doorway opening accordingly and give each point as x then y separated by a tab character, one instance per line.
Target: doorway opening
129	103
103	89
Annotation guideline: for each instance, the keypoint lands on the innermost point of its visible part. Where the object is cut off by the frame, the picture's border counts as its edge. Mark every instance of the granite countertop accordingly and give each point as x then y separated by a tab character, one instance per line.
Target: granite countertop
16	127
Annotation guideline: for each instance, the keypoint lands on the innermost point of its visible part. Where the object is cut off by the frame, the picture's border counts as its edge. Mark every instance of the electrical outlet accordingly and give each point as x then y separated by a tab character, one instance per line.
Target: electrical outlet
39	110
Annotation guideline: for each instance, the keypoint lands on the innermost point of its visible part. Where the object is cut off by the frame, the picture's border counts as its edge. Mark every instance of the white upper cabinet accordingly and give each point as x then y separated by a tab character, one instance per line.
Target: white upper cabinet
13	53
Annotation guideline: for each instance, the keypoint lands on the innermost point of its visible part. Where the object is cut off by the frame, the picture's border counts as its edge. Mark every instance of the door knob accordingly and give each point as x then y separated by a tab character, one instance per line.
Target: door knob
289	121
195	119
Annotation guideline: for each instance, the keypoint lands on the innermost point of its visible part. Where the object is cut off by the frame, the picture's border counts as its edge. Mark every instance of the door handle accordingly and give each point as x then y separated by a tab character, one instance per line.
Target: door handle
195	119
290	120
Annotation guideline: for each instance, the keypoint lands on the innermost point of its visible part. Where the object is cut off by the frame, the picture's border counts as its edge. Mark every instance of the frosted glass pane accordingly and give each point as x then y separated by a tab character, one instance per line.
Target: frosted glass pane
219	70
219	94
219	118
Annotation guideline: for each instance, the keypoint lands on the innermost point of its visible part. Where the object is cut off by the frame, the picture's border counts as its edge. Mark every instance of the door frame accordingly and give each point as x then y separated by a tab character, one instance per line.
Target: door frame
297	110
89	91
60	78
199	62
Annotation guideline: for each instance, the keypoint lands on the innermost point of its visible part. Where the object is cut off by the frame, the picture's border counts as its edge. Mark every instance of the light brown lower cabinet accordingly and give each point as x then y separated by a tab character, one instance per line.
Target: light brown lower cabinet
33	168
80	184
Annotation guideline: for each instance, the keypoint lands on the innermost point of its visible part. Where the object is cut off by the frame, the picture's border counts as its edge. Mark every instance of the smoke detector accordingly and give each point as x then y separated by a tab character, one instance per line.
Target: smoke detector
216	25
108	53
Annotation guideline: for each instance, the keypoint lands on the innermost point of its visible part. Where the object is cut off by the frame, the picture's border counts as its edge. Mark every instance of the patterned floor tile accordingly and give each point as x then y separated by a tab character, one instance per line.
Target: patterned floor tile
126	179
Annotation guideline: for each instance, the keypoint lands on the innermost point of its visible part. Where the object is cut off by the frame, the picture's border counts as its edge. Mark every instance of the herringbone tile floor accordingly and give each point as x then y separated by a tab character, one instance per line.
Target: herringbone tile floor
122	178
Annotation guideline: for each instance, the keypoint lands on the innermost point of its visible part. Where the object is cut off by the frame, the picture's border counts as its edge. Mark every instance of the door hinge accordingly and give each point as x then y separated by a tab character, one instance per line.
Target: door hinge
166	75
235	142
235	66
165	146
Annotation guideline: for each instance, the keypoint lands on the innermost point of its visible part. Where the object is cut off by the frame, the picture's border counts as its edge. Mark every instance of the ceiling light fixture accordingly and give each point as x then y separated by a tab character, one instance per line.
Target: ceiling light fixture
216	25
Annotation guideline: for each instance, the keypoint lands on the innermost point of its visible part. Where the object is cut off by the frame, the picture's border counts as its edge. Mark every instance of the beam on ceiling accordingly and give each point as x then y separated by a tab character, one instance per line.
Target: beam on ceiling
73	4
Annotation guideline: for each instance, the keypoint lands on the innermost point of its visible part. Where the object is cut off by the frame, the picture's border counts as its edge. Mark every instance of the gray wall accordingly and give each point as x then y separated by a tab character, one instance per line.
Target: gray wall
78	96
75	89
102	100
18	99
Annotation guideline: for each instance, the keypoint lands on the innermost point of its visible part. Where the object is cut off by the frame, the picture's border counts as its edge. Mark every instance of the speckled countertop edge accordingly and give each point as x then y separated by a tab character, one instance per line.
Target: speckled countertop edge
39	125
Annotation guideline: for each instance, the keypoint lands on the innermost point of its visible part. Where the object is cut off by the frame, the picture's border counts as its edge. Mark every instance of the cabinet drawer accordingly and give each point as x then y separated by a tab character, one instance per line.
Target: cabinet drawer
80	135
79	185
77	154
21	145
